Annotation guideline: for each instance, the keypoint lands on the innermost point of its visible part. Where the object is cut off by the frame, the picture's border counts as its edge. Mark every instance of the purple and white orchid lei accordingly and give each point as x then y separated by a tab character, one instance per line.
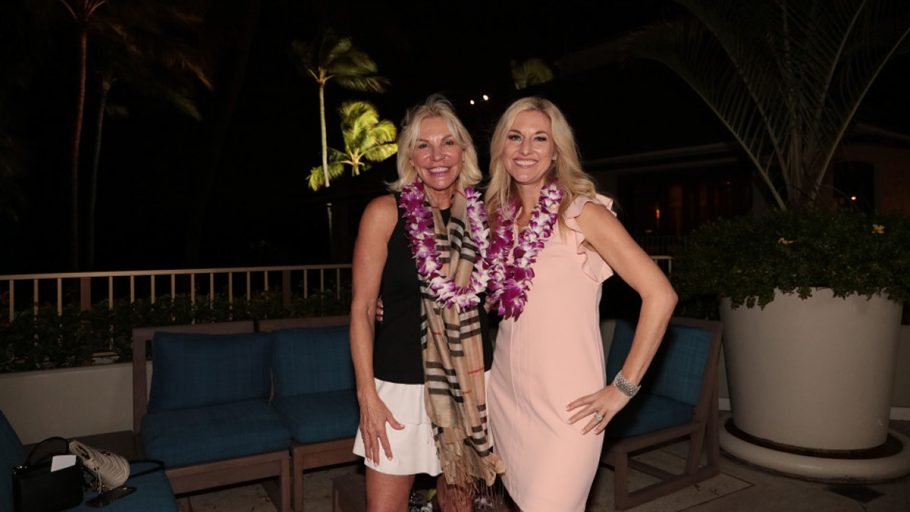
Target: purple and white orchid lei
419	227
510	281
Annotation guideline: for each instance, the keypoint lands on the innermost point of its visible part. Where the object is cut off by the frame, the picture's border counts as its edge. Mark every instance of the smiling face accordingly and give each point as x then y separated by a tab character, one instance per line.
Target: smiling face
529	150
436	156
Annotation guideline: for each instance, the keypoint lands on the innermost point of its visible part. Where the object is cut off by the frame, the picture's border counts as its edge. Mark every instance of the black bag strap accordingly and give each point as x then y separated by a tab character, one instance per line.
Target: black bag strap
157	465
45	450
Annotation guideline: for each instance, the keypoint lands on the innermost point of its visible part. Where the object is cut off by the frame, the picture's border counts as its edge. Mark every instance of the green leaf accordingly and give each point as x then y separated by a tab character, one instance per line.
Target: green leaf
317	178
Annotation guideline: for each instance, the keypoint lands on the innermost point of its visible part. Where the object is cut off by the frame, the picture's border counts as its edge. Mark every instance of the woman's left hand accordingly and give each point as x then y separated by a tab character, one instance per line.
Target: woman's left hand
598	407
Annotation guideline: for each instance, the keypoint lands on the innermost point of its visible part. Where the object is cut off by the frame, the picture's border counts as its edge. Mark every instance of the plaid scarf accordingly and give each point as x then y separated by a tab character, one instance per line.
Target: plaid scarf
453	363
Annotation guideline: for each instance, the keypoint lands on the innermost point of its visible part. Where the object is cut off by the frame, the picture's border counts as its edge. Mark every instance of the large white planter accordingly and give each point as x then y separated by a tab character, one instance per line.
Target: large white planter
814	373
810	386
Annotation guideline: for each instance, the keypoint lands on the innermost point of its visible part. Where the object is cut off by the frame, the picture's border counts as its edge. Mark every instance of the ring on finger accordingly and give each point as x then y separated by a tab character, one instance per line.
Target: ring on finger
598	417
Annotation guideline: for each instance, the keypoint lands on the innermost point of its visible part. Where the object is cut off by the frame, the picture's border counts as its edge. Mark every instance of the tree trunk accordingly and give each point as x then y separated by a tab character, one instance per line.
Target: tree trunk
74	150
325	143
93	177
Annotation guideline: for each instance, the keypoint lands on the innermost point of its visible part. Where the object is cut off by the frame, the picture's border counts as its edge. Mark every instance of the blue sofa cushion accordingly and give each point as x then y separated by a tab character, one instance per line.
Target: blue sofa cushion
153	493
11	455
648	413
315	417
204	434
311	360
195	370
678	367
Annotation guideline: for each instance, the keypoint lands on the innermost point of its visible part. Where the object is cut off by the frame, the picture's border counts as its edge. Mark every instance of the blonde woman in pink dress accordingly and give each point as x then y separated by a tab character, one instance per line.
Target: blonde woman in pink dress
554	240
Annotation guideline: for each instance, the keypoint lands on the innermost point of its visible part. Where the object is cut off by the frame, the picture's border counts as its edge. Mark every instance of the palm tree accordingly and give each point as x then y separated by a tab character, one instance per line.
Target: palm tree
784	76
82	12
154	50
367	139
530	72
335	58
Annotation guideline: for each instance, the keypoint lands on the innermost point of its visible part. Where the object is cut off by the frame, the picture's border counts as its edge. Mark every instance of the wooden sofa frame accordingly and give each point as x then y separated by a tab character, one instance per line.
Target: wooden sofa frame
701	431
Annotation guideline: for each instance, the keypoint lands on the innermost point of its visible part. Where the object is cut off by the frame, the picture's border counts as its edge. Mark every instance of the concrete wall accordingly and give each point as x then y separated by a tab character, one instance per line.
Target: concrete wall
76	402
69	402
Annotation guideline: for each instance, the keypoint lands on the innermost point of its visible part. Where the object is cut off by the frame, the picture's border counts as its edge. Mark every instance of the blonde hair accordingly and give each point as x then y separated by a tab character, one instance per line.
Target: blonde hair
435	106
573	181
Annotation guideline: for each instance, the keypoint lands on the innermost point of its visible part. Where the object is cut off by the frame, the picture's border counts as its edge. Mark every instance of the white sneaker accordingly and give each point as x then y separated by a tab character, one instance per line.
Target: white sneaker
109	469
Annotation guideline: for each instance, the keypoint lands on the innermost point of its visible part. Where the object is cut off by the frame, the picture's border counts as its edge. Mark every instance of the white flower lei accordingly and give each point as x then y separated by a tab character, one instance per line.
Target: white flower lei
419	227
510	282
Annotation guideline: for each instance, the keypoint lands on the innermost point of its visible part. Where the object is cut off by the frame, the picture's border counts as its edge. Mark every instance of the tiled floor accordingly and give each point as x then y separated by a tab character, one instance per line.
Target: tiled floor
739	487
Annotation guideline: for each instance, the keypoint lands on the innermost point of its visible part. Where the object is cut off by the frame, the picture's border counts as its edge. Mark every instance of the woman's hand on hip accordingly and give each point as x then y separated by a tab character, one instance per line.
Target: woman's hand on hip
598	407
373	418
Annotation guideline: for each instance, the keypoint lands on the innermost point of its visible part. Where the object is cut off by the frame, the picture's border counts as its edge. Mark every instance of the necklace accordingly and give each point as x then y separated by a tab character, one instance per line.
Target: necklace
421	234
510	281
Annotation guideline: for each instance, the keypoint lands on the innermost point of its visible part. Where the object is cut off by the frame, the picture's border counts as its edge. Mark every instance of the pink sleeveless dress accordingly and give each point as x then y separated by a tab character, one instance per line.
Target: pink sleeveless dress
551	355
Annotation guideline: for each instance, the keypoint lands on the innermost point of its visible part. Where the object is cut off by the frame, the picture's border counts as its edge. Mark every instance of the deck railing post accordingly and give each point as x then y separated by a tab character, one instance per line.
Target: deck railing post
286	288
85	293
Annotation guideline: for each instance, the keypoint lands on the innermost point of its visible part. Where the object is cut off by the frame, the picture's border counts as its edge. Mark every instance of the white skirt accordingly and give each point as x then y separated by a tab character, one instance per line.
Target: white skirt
413	448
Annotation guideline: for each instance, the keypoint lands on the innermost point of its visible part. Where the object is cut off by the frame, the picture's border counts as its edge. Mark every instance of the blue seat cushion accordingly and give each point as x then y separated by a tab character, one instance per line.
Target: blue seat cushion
204	434
311	360
677	370
12	454
193	370
315	417
647	413
153	493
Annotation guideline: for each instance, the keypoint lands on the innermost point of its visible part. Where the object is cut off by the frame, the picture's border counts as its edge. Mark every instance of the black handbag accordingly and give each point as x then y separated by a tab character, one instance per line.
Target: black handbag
37	489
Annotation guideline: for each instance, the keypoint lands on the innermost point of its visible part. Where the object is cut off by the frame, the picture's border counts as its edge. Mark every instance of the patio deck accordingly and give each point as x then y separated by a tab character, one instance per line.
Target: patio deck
739	487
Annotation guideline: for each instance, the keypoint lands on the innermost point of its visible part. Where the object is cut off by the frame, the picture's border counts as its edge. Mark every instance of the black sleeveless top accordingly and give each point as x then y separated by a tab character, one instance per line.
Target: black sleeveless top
397	356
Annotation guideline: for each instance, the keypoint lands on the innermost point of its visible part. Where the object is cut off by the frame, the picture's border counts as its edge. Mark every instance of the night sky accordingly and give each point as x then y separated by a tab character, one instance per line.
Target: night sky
256	150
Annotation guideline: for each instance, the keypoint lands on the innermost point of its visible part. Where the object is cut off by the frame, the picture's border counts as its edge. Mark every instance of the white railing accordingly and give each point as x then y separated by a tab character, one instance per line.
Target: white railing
82	287
77	287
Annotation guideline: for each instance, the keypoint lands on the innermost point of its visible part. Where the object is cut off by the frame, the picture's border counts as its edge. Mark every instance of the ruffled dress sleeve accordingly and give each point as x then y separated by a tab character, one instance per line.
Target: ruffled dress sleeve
592	264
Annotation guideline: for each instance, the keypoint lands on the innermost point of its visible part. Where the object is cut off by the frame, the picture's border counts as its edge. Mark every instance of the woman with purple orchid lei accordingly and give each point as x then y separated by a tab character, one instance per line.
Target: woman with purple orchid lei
554	242
421	372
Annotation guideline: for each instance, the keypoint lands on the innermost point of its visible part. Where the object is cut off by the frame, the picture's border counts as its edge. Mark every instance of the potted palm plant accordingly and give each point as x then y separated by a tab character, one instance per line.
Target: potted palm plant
810	297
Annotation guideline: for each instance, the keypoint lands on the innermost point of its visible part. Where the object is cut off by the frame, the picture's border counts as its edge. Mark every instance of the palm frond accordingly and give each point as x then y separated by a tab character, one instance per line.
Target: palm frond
363	83
530	72
333	48
304	56
787	83
317	178
384	132
153	49
381	152
336	156
362	128
355	70
184	103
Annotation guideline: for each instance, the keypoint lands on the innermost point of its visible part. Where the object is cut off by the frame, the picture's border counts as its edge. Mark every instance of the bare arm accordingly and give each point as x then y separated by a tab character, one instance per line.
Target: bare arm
370	253
614	244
